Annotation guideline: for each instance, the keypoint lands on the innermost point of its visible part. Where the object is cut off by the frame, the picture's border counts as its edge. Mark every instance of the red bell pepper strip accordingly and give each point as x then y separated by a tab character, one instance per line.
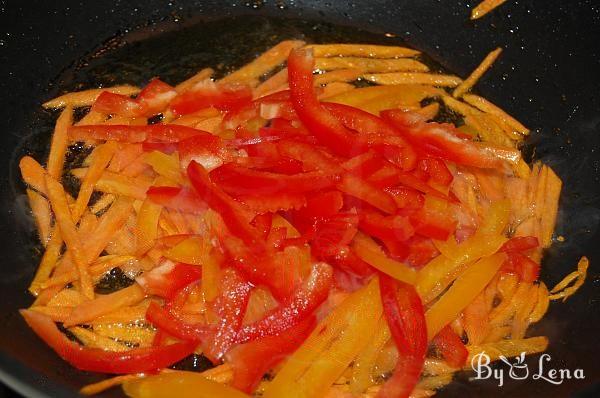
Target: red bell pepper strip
252	360
155	96
384	137
320	205
258	146
520	244
272	203
285	128
152	99
433	224
385	177
321	123
405	316
263	223
117	104
391	176
238	180
451	347
234	215
329	234
277	110
364	164
276	105
436	170
386	227
361	121
420	251
230	306
323	204
399	250
255	261
296	308
224	98
207	149
363	190
161	133
346	260
181	199
167	279
276	237
287	166
403	157
164	147
406	198
172	133
439	140
517	263
136	360
258	265
167	323
312	158
259	161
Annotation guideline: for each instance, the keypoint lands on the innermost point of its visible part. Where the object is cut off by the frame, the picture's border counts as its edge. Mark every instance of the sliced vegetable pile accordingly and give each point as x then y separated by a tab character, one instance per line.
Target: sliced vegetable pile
334	238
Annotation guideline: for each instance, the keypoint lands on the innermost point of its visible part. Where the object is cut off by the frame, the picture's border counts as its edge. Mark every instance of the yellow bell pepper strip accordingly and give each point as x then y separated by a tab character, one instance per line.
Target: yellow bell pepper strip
442	270
367	97
165	165
180	384
369	252
466	287
364	364
192	250
331	347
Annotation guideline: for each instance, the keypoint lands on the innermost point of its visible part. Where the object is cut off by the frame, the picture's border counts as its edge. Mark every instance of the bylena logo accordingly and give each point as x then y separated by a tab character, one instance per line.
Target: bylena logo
519	370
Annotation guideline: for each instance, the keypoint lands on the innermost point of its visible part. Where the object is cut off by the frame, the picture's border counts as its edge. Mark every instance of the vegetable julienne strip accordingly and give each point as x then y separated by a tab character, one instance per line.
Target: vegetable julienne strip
371	65
486	106
224	190
361	50
393	78
103	155
484	7
265	62
41	213
65	221
197	78
477	73
87	98
59	144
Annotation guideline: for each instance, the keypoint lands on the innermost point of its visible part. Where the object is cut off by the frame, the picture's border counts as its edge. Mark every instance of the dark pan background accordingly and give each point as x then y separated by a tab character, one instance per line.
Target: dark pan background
548	77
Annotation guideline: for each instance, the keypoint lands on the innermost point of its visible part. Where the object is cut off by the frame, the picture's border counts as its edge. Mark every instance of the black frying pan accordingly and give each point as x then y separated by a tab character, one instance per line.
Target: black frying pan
547	77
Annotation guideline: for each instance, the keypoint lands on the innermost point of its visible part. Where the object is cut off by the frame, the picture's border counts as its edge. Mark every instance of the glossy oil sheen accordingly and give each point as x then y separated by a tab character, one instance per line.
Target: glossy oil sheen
547	77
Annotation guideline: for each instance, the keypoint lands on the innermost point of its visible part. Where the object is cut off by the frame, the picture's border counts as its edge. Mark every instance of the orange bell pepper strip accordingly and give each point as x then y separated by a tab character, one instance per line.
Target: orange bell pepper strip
330	348
180	384
464	289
